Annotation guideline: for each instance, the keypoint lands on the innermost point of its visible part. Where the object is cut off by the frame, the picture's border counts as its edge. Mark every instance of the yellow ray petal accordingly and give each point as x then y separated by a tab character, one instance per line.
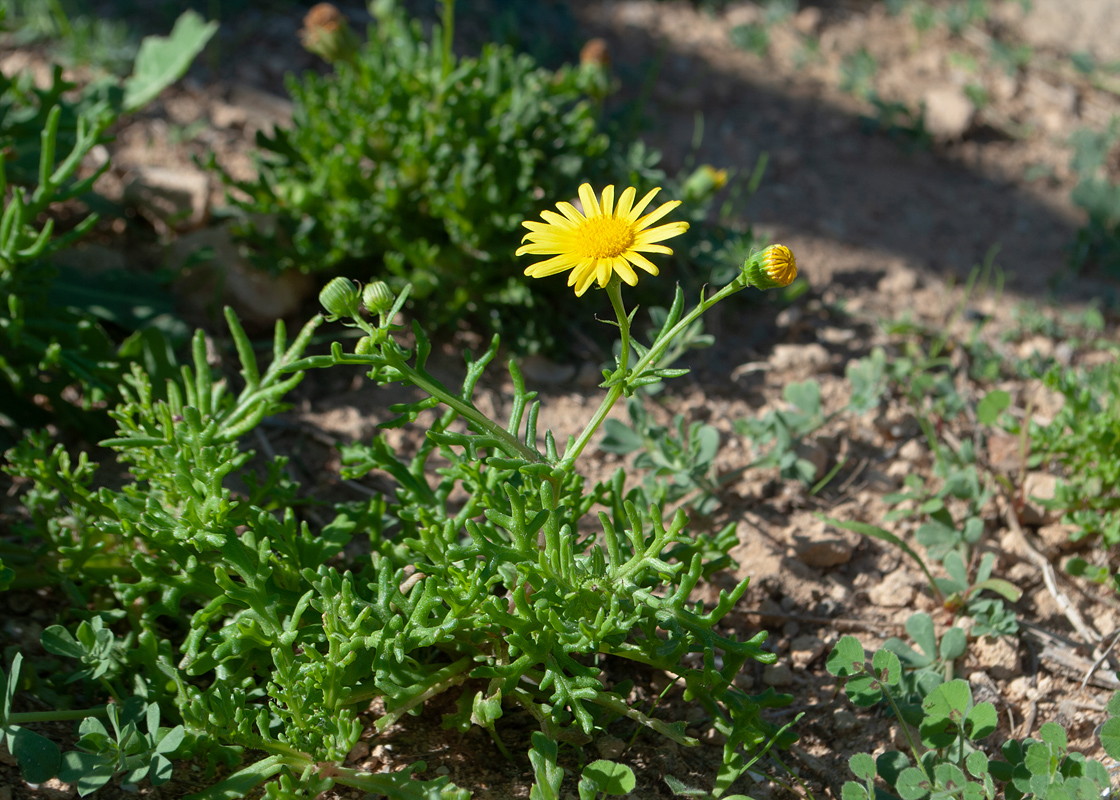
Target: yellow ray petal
653	216
638	209
556	264
608	201
651	248
660	233
571	212
625	202
624	271
640	261
552	218
590	204
535	249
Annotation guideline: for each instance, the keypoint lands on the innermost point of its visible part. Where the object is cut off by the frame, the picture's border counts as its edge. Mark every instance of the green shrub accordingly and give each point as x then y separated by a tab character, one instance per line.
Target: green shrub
415	166
491	577
56	358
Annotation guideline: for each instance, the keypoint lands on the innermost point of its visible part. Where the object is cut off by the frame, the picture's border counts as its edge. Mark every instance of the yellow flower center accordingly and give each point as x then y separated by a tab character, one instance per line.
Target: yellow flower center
780	264
604	237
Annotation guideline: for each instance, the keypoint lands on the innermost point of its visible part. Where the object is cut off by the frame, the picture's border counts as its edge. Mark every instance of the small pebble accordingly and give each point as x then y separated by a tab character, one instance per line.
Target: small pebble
844	721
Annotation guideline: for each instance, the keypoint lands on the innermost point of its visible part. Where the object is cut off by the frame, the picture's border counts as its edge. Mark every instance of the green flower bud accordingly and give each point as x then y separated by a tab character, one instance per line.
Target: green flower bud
364	346
773	268
326	33
340	298
704	182
378	297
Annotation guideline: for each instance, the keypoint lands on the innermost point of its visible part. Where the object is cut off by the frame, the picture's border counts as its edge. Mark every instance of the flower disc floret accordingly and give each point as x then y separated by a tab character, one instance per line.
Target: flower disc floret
602	240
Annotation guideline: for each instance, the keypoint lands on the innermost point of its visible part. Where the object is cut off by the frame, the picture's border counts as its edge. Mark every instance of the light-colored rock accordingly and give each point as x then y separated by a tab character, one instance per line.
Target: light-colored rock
226	115
844	721
1039	487
779	674
258	297
539	369
610	747
589	375
805	649
265	110
1018	689
914	452
807	20
816	454
948	112
1041	346
1069	26
998	656
800	358
169	198
896	590
358	752
899	280
1005	452
821	546
1058	536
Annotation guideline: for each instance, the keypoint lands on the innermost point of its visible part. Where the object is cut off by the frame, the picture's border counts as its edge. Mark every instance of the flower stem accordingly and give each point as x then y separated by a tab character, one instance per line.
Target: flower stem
649	361
23	718
427	383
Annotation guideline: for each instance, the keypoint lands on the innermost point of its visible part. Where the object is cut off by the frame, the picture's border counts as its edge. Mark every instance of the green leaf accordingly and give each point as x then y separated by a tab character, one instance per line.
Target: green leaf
619	438
981	721
949	777
549	775
89	771
1110	736
609	777
887	667
854	791
163	60
994	402
1054	735
890	765
1006	589
977	763
1039	760
39	758
953	644
1114	705
945	711
954	565
170	741
847	658
862	766
920	628
57	640
912	784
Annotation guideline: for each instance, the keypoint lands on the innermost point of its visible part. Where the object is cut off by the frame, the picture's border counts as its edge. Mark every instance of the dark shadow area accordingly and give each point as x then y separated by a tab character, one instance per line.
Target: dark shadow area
848	199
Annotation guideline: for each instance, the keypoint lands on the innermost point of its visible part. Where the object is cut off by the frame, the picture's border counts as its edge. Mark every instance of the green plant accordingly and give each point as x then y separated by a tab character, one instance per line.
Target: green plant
418	166
783	431
1098	194
1083	439
481	577
857	73
950	725
51	340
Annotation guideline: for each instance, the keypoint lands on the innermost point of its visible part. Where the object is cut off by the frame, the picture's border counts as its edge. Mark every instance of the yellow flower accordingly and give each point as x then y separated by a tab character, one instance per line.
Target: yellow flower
606	239
773	268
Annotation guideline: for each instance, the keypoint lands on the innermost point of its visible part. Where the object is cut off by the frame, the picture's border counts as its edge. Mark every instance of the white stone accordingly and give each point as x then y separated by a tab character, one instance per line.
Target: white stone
948	112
